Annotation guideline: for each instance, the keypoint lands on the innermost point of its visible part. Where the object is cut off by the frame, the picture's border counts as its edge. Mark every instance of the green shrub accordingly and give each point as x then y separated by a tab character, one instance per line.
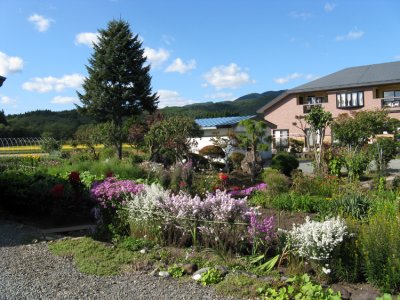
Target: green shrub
212	276
276	181
383	151
347	262
134	244
380	244
296	146
314	185
297	202
259	198
236	158
356	163
284	162
212	151
176	271
352	205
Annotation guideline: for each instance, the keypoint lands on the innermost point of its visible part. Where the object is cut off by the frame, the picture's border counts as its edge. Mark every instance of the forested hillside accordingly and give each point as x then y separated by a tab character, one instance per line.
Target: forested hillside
63	124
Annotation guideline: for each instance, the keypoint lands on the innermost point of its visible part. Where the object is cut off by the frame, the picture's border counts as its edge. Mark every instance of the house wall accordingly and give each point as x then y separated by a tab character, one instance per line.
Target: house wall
284	112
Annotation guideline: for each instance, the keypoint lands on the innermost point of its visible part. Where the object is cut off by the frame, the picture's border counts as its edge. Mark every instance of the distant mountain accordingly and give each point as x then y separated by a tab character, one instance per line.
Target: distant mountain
63	124
245	105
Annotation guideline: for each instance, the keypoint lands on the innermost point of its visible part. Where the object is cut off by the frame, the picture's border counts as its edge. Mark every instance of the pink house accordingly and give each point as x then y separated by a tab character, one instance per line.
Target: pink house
353	89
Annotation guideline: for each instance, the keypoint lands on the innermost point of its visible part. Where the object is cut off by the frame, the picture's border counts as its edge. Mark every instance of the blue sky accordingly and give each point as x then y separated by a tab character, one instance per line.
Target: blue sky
199	51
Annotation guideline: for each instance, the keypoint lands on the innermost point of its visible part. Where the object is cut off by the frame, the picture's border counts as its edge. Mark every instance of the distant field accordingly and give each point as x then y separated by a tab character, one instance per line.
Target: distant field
35	149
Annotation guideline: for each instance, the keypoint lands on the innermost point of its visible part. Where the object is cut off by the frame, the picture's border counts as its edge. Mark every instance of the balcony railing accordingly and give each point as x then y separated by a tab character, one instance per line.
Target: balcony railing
393	102
307	107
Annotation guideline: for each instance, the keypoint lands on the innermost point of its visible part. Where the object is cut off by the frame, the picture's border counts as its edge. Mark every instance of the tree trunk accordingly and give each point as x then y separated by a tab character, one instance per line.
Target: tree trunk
254	162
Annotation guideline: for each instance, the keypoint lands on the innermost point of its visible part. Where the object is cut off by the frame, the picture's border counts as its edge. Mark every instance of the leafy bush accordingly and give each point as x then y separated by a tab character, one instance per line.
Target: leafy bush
296	146
276	181
42	195
300	288
236	158
356	163
135	244
314	185
297	202
176	271
380	244
212	151
212	276
284	162
383	151
351	205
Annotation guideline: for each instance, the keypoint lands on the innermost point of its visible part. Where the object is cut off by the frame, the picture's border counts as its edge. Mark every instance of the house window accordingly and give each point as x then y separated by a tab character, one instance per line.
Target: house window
281	138
311	138
312	100
350	99
391	99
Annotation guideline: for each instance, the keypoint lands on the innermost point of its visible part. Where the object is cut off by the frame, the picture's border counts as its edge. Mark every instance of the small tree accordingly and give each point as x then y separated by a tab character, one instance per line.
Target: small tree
90	136
255	139
118	85
319	120
173	136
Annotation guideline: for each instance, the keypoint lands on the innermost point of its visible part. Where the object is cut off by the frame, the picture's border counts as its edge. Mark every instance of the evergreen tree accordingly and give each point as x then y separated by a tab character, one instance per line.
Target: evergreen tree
3	119
119	84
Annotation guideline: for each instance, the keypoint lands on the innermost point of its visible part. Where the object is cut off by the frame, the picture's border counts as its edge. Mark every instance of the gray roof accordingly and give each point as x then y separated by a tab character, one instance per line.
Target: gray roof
354	77
369	75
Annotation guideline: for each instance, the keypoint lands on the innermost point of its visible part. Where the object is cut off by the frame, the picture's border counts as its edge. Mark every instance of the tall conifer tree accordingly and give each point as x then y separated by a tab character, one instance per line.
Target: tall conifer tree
118	84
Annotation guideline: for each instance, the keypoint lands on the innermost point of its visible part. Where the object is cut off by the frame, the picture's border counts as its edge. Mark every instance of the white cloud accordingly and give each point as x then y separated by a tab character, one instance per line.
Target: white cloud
179	66
64	100
167	39
87	38
41	23
220	96
230	76
156	57
293	76
171	98
329	6
5	100
50	83
351	35
300	15
397	57
10	64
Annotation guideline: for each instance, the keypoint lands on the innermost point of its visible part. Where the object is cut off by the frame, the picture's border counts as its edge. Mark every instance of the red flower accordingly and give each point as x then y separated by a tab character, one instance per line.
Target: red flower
235	188
182	184
223	176
58	190
109	174
74	177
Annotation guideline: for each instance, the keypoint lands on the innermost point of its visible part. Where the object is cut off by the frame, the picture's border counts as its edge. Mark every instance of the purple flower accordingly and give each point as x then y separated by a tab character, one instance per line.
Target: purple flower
264	230
111	191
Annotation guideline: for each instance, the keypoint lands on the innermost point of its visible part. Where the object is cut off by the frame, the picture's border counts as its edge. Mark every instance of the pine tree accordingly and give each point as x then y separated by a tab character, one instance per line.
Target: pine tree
118	84
3	119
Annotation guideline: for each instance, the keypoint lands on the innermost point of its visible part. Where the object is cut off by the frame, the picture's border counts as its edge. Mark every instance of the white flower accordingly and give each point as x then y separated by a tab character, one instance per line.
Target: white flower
326	271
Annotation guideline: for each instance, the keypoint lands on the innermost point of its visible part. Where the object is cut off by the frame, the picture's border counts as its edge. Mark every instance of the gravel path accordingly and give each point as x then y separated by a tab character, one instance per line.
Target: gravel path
29	271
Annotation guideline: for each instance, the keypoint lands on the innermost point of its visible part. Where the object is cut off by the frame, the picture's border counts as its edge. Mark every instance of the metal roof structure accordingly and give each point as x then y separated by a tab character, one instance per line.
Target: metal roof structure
221	122
369	75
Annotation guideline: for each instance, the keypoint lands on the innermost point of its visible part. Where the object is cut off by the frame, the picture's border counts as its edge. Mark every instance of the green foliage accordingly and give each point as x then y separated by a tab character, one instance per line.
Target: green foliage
119	84
212	151
354	205
243	106
50	145
298	202
239	286
296	146
277	182
314	185
382	152
90	136
212	276
176	271
354	130
380	244
171	139
284	162
236	158
319	120
135	244
356	163
255	139
259	198
299	288
92	257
